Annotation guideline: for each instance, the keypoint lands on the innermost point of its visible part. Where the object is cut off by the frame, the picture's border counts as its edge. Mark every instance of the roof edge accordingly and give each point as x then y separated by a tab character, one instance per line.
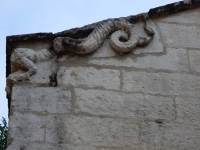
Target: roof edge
173	7
85	30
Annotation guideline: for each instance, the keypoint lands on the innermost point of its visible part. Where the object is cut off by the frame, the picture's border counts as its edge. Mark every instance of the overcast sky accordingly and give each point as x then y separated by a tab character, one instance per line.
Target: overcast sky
32	16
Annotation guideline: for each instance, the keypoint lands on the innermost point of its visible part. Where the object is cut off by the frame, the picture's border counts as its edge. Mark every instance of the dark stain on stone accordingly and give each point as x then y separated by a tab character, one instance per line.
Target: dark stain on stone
159	121
53	80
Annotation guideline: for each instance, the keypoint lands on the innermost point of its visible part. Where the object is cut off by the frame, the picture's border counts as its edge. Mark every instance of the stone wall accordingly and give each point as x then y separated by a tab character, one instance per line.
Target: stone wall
147	99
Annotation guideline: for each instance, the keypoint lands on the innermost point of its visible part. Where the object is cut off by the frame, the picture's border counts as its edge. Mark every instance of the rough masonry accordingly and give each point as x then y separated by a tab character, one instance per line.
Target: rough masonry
118	84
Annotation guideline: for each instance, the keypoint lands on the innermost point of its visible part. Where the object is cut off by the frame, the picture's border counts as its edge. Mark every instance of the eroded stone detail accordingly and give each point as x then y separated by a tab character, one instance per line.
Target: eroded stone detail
24	59
124	38
105	101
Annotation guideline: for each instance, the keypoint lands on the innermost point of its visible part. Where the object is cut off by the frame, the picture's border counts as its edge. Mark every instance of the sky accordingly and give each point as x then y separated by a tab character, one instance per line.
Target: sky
32	16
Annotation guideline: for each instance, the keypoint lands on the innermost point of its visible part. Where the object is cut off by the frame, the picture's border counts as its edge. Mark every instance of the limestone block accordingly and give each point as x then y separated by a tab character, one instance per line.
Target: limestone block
155	46
176	35
190	17
100	102
96	131
41	99
26	127
161	83
188	110
115	148
24	145
175	59
43	73
194	58
169	136
89	77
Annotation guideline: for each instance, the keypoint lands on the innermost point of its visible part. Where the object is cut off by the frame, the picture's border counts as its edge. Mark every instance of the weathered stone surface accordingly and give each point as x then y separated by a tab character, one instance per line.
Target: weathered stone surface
191	16
24	145
188	110
27	127
105	50
175	59
41	99
89	77
155	46
92	131
99	102
115	148
118	28
42	75
43	72
35	45
147	99
36	57
182	36
23	65
169	136
161	83
194	58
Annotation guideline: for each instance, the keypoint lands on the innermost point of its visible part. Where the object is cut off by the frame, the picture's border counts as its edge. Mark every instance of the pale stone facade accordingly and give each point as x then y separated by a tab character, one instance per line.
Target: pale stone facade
146	99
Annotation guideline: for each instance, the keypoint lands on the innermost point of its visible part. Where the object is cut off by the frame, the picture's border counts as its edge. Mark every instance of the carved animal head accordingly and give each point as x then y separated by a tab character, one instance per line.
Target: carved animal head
63	45
57	45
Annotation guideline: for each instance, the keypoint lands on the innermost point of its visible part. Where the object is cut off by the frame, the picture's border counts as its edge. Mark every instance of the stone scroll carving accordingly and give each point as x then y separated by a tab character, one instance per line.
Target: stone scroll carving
124	38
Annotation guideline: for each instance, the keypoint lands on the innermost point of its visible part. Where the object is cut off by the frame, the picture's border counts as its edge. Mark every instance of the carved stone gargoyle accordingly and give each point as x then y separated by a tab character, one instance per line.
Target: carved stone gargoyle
124	38
24	59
